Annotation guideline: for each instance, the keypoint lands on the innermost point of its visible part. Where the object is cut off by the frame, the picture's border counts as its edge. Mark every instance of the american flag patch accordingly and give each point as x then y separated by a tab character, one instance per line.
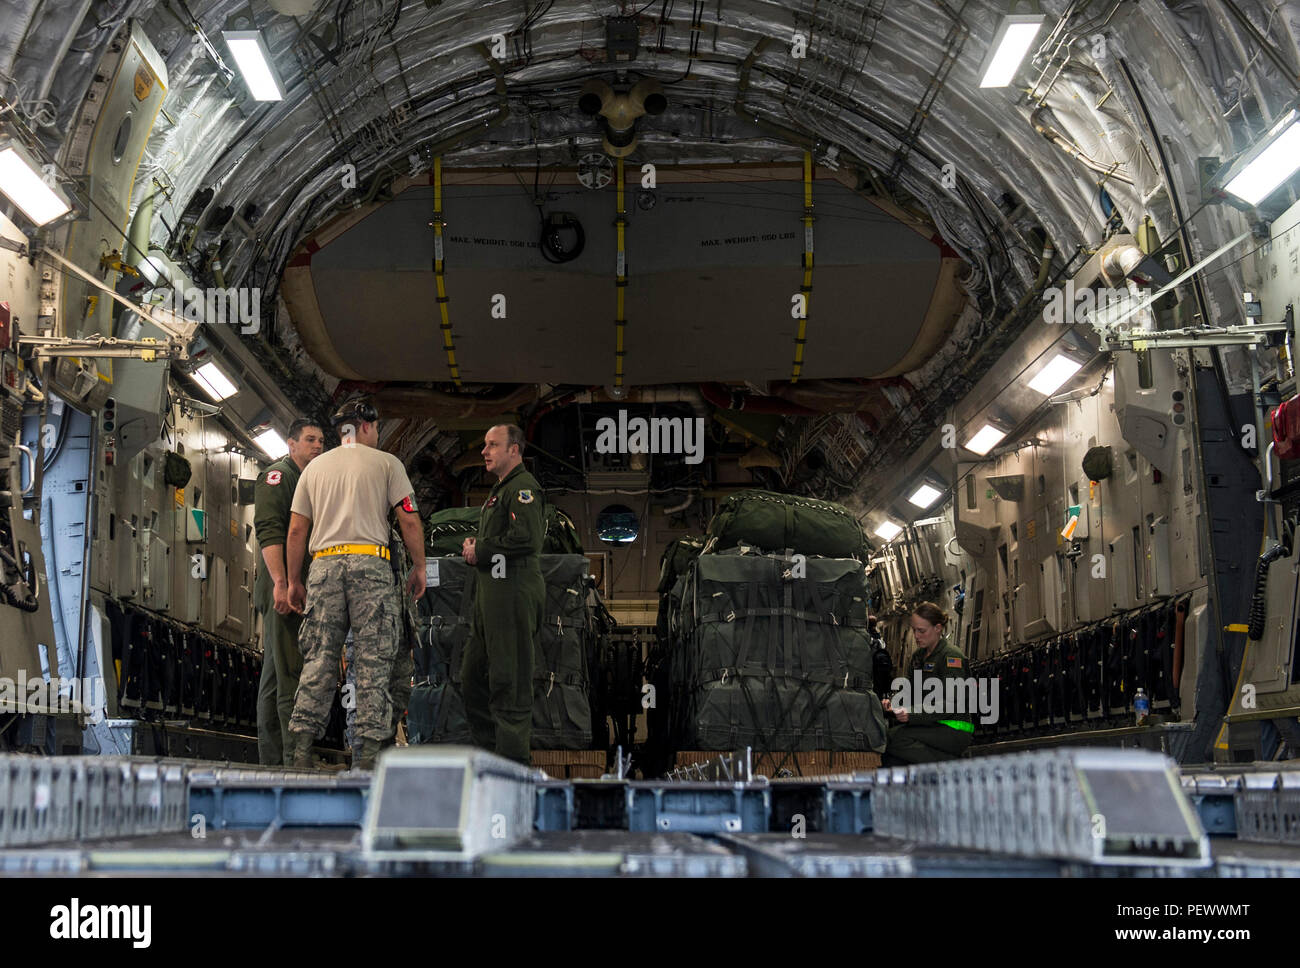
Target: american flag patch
954	663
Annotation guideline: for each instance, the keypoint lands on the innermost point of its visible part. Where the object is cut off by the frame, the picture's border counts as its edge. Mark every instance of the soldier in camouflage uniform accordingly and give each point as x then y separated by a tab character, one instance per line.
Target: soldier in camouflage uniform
281	660
343	500
509	602
930	737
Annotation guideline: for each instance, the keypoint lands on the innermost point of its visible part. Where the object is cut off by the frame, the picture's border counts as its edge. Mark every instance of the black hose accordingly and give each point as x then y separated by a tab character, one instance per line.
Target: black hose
1259	600
552	246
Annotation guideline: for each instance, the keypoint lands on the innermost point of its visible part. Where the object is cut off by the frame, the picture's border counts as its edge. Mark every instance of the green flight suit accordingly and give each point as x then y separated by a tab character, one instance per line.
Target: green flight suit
509	608
930	737
281	658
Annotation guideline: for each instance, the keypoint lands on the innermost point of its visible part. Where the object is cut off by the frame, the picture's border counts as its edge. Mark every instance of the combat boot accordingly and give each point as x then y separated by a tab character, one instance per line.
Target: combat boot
299	751
363	755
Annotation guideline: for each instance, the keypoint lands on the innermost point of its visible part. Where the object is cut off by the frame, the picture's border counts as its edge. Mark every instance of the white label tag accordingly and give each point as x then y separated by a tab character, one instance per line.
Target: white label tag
431	573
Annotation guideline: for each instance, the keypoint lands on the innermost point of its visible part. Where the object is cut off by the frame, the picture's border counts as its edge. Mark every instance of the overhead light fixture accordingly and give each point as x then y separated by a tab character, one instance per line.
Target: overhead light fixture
925	495
988	437
22	184
1054	374
214	383
253	58
888	530
1010	44
271	443
1263	168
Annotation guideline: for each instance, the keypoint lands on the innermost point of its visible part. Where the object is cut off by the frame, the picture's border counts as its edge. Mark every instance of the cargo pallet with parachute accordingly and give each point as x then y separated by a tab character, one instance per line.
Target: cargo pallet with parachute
762	638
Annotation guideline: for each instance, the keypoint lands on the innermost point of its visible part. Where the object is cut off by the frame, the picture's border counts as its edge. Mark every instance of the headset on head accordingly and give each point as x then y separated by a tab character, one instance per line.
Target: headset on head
362	410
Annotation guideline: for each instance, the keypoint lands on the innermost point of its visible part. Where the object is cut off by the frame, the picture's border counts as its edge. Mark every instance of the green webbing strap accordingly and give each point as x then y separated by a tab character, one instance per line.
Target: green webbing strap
731	673
777	611
560	678
787	627
958	725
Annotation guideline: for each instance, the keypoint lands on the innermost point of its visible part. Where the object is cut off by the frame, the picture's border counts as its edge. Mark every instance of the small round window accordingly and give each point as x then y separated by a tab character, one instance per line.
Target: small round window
122	139
617	524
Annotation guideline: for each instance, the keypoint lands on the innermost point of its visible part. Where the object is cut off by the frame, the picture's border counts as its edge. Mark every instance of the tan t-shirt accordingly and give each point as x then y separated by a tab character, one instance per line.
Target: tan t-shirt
347	493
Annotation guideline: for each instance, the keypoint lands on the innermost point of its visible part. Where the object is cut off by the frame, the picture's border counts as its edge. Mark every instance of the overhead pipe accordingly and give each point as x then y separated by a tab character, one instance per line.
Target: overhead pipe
1054	135
74	25
725	398
393	401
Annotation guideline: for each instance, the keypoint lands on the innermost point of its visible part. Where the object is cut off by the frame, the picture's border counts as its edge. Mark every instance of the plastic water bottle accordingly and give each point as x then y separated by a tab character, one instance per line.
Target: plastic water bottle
1141	706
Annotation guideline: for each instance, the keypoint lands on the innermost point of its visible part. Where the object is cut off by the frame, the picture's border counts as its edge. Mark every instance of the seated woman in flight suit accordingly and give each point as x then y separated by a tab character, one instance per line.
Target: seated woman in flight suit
928	737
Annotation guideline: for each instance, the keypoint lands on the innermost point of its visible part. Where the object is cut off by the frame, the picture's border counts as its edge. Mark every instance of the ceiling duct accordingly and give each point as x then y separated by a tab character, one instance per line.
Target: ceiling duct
619	113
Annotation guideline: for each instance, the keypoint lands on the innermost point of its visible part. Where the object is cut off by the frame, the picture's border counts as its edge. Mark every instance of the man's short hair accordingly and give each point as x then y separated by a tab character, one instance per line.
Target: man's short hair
296	428
514	437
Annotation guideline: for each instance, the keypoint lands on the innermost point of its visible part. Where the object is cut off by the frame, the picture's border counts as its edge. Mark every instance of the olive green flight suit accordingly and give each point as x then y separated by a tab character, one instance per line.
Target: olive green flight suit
509	608
281	658
930	737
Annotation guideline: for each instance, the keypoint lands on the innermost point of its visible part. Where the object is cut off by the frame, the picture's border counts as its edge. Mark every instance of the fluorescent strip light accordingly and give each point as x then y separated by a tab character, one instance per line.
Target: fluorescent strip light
214	383
925	496
1054	375
250	52
1271	167
1010	45
985	440
21	182
888	530
271	444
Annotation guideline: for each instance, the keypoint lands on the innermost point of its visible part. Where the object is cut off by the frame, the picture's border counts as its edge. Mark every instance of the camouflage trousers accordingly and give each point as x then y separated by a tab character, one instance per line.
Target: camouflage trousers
399	690
356	592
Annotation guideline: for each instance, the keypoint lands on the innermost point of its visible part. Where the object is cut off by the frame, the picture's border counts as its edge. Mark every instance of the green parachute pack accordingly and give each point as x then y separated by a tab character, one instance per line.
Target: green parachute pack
786	522
561	676
436	711
445	531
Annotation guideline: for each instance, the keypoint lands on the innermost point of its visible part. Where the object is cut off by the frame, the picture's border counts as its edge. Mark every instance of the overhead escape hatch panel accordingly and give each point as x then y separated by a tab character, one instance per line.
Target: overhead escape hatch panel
714	266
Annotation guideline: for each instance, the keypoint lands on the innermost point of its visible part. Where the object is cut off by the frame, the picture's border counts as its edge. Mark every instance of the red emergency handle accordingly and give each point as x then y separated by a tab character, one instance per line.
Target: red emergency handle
1286	429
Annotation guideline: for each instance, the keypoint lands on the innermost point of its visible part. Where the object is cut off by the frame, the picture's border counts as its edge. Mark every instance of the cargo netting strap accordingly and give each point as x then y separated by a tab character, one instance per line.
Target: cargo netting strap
773	611
552	679
841	665
806	289
620	281
729	673
439	268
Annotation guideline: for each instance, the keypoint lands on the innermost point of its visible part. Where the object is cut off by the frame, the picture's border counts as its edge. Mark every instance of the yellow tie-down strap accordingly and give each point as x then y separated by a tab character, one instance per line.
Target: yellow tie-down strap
353	549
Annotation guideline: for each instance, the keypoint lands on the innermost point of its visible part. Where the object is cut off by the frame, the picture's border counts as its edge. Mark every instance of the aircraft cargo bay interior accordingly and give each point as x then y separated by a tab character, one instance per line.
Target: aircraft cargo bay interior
691	438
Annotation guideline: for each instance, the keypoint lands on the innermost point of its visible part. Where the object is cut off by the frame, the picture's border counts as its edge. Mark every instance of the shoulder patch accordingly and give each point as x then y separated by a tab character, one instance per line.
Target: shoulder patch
273	477
929	667
526	496
408	504
491	501
954	662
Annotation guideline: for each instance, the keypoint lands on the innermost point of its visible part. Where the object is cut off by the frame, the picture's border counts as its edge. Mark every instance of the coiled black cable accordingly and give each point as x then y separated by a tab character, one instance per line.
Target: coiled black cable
1259	601
552	246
